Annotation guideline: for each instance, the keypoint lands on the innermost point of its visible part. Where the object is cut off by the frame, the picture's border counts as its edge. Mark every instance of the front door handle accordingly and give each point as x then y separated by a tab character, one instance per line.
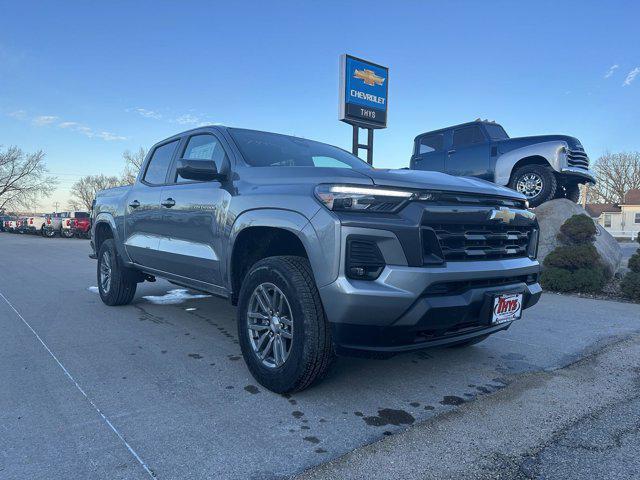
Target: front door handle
451	152
134	204
169	202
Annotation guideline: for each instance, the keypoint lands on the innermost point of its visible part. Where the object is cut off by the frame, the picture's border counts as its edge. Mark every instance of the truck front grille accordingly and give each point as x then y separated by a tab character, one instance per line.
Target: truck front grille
482	242
577	158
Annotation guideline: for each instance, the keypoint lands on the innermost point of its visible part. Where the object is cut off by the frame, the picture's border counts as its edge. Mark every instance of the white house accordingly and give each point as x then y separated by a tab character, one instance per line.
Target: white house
620	220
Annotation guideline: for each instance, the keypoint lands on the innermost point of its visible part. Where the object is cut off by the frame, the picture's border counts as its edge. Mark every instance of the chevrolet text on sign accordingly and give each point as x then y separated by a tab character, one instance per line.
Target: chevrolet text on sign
363	92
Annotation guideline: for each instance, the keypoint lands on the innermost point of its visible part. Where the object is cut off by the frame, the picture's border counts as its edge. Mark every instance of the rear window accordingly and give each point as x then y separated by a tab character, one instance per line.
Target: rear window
467	136
430	143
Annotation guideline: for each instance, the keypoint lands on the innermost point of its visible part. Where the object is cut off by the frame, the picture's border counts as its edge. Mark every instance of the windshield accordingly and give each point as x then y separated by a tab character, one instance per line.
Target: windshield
262	149
495	131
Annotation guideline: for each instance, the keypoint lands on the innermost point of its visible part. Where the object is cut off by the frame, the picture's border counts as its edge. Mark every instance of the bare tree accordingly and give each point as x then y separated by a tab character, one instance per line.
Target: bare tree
23	179
133	162
616	174
84	190
74	205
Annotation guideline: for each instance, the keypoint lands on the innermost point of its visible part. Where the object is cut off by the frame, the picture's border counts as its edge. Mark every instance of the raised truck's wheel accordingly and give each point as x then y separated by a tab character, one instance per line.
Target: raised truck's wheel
284	335
536	182
116	284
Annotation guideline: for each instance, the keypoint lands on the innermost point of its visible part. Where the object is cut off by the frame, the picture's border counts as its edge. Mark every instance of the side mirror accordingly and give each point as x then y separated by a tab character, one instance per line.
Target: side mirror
200	170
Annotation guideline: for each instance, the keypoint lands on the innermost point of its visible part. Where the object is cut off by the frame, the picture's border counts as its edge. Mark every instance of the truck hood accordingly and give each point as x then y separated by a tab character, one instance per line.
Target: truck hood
426	180
286	177
518	142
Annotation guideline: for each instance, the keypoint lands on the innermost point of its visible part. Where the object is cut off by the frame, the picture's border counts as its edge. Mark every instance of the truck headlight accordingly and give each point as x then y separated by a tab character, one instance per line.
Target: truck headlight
351	198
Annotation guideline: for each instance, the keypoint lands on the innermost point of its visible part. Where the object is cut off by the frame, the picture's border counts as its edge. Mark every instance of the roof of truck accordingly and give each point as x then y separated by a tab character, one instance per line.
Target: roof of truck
475	122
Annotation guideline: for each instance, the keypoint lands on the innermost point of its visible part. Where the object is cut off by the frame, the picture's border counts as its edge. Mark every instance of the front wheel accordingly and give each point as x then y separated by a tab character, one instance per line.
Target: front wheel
50	233
66	233
284	335
536	182
115	283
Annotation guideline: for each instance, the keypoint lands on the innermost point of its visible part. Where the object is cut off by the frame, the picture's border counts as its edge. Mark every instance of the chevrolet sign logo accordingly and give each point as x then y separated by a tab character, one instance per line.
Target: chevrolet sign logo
505	215
369	77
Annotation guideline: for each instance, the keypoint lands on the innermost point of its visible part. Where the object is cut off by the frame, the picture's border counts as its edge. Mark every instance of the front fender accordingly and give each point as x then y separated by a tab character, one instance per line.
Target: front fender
289	220
550	151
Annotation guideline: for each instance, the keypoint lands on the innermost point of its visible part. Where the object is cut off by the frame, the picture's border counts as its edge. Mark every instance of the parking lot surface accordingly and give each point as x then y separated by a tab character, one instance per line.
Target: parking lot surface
159	388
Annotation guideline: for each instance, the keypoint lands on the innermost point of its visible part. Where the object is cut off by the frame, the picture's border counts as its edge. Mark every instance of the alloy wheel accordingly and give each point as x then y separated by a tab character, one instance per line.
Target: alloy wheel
105	272
530	185
270	325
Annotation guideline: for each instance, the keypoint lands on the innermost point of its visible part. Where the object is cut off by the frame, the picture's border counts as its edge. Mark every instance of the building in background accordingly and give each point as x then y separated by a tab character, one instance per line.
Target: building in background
620	220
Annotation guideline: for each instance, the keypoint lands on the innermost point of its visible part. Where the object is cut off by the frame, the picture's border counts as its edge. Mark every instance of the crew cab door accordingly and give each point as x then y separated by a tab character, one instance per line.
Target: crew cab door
194	214
143	217
469	154
429	153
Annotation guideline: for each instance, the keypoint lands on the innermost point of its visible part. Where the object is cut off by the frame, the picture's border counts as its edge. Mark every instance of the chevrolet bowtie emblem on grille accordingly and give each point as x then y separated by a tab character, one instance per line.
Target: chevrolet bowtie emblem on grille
368	77
505	215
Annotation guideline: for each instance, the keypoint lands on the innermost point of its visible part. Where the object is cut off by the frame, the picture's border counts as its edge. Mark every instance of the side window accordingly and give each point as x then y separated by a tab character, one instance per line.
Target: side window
204	147
467	136
607	220
637	217
430	143
159	164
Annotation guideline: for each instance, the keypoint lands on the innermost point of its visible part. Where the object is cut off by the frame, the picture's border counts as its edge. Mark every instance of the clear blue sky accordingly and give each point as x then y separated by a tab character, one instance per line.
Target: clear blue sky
86	80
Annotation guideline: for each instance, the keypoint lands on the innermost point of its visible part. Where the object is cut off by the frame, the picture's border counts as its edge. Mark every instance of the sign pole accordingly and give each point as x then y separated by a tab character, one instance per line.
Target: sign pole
356	140
370	146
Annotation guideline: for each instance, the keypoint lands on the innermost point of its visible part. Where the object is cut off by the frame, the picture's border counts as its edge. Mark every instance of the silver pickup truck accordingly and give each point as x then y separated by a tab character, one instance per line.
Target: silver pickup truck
321	253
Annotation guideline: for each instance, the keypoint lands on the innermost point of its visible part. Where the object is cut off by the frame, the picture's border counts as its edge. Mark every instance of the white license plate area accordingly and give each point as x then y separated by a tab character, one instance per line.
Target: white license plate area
507	307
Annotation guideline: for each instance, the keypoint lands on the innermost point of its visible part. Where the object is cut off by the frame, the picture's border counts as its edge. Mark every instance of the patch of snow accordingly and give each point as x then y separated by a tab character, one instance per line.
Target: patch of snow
93	289
191	309
173	297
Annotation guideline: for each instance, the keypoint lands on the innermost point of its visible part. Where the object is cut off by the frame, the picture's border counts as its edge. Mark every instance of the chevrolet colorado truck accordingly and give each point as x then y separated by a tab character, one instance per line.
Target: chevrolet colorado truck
321	253
542	167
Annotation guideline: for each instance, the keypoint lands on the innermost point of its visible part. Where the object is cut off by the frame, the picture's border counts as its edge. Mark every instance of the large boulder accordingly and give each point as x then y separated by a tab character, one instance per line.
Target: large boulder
551	215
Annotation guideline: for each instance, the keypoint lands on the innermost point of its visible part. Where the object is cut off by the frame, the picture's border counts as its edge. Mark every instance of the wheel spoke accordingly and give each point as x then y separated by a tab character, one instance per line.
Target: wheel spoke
258	315
257	327
267	349
263	300
286	321
286	334
278	352
261	340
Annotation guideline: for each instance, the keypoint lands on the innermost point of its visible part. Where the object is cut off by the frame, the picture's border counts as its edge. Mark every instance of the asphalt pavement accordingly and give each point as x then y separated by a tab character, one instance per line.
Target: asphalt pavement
159	389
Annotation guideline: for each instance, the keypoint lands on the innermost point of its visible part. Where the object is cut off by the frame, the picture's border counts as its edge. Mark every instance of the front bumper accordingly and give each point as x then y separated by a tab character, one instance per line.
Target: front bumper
409	308
584	174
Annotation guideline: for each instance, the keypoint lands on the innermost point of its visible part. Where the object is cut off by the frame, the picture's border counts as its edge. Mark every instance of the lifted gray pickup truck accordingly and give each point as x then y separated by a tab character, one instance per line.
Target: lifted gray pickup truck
542	167
322	253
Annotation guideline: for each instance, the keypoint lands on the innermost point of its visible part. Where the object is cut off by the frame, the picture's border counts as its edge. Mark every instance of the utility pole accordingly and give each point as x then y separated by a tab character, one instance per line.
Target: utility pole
55	206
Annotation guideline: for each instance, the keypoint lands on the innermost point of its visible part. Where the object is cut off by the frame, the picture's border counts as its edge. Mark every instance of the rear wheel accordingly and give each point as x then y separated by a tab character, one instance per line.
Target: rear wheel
116	284
570	192
66	233
536	182
284	335
50	233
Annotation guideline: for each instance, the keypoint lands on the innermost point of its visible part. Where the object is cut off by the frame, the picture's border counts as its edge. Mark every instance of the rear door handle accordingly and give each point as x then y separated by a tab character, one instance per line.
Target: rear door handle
451	152
134	204
169	202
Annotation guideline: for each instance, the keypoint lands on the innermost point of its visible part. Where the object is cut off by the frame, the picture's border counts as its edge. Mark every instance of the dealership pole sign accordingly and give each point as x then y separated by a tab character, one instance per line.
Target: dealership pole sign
364	88
363	92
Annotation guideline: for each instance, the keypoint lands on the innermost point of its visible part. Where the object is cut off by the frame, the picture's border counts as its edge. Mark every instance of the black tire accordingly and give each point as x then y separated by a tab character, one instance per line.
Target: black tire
546	176
122	286
311	349
468	343
570	192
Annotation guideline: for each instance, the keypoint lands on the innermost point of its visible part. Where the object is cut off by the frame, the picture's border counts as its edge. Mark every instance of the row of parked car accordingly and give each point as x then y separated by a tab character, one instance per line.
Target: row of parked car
64	224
